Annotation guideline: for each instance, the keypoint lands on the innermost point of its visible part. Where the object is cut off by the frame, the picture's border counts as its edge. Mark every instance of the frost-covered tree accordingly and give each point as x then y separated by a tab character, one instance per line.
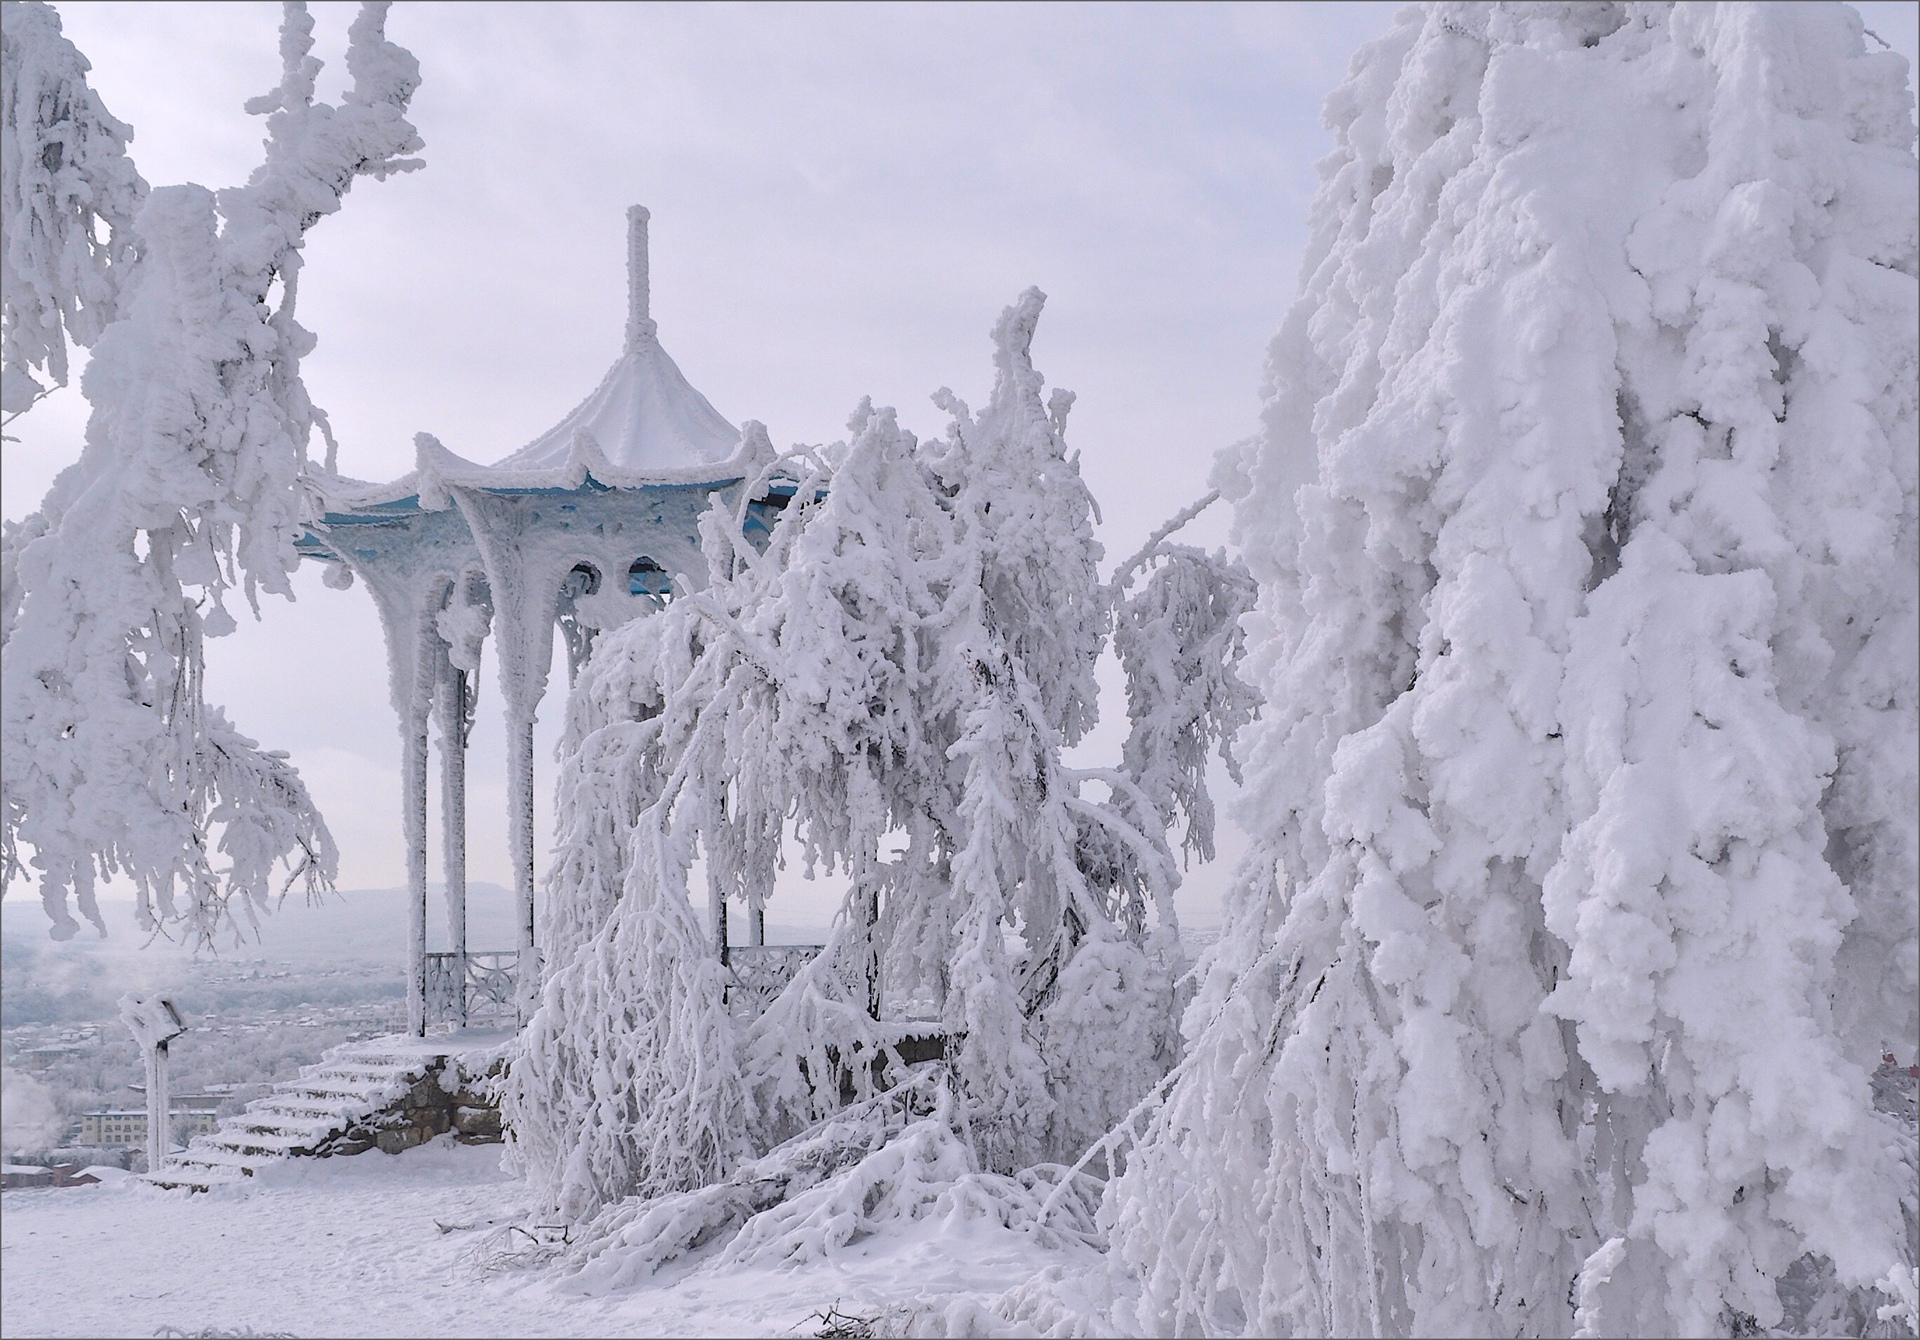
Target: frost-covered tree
1582	901
188	483
889	683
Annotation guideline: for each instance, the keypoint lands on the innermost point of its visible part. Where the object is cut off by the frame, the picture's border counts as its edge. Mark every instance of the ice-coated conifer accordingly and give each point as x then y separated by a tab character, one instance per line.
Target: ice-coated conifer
1581	901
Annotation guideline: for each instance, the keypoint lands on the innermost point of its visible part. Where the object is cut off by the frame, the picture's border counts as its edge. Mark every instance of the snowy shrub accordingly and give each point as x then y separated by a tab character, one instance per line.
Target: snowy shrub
889	682
188	484
877	1166
1583	516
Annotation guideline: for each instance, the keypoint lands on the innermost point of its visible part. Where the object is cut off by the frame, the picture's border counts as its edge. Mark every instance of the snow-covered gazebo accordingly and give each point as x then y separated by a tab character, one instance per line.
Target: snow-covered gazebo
589	525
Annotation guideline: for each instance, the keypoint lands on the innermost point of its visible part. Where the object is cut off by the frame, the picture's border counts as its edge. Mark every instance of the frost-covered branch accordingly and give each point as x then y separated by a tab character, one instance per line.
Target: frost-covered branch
187	486
1123	575
64	177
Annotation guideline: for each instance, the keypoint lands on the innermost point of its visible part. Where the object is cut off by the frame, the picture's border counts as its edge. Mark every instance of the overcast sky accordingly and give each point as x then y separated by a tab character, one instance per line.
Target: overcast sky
843	197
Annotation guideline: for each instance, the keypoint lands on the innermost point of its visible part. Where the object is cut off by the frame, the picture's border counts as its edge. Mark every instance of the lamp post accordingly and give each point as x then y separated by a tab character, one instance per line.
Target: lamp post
154	1022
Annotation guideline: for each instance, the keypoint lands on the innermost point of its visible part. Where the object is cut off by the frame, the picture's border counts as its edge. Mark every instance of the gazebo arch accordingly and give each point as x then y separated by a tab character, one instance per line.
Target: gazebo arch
453	552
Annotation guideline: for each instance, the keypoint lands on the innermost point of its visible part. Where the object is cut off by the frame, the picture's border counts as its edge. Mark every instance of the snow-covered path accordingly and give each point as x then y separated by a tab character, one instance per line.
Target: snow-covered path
352	1247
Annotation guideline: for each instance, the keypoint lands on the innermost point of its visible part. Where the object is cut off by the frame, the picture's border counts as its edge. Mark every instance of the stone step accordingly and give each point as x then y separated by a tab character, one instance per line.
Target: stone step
270	1143
297	1106
188	1179
381	1060
343	1088
370	1065
365	1077
200	1168
218	1158
308	1130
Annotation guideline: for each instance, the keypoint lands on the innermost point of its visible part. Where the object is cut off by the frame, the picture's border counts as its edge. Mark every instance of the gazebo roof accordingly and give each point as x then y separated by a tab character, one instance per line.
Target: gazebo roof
644	424
644	416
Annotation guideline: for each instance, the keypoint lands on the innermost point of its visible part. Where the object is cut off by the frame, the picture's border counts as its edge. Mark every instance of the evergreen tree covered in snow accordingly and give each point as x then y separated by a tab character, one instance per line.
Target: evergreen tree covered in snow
188	483
1582	898
890	682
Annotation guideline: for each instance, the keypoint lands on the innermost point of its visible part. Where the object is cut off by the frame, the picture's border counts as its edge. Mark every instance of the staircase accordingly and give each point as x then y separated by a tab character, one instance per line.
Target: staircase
388	1093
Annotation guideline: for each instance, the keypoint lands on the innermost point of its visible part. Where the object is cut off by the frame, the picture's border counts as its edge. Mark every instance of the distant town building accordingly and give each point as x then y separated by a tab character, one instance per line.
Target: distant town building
15	1176
130	1128
44	1058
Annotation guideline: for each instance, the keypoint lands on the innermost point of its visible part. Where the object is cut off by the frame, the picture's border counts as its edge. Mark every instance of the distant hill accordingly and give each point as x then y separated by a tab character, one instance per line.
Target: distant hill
354	926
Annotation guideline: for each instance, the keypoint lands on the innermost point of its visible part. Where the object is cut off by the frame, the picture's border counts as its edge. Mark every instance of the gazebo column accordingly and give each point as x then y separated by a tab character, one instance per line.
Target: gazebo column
415	715
525	601
452	705
412	647
409	562
520	838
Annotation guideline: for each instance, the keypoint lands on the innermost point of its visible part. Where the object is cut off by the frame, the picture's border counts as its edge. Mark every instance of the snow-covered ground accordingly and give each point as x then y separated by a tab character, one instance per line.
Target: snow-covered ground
402	1246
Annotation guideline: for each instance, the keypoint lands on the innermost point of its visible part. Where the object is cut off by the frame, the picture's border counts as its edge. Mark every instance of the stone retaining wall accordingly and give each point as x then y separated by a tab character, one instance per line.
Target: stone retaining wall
446	1098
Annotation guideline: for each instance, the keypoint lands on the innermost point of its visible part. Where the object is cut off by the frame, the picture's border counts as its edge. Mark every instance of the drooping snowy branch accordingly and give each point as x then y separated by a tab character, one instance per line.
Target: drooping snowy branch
626	1077
187	486
1181	642
64	176
1584	524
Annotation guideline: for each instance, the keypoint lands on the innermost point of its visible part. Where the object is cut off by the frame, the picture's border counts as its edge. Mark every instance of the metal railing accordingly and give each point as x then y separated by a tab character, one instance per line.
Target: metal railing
485	997
755	975
758	973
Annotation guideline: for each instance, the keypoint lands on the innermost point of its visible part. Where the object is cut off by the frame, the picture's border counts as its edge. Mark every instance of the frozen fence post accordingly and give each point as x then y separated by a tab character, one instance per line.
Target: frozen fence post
154	1022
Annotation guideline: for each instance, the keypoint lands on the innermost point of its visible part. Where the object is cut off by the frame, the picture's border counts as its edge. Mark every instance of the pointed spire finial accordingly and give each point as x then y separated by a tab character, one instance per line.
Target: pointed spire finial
639	322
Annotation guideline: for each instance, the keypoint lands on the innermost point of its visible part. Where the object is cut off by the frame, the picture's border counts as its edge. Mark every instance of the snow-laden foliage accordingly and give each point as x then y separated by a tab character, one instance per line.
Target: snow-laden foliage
889	684
1179	639
877	1165
1109	1031
818	1042
188	485
64	176
1582	896
634	1043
